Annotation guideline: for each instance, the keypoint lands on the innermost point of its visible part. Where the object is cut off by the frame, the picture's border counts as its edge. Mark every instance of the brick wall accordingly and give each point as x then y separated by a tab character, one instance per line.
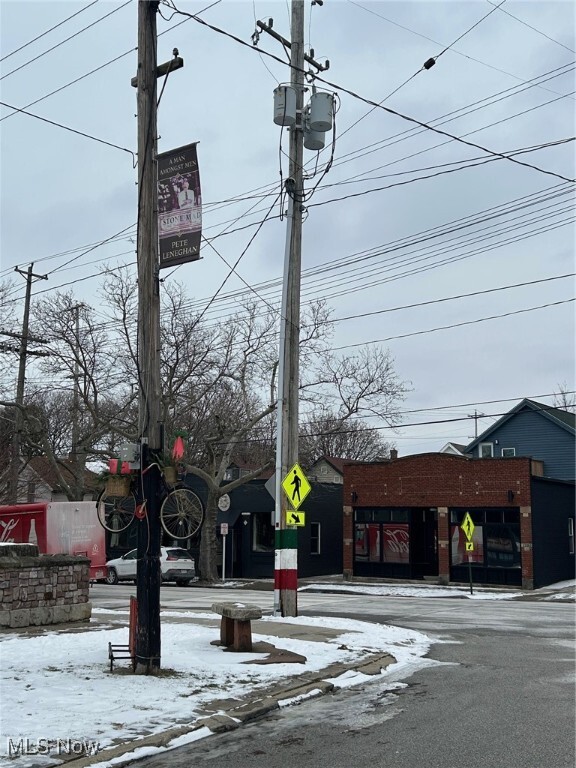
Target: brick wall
439	480
42	589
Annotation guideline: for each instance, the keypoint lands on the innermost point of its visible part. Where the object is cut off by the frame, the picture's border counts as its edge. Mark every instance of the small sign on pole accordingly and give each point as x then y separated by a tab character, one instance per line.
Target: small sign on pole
295	517
224	533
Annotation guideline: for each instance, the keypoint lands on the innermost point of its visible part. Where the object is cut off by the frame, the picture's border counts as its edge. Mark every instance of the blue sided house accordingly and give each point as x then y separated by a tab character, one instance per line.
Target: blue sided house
536	430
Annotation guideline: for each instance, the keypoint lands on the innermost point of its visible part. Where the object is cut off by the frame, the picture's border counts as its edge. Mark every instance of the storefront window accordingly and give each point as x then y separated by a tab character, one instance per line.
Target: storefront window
502	547
459	553
396	543
262	532
493	546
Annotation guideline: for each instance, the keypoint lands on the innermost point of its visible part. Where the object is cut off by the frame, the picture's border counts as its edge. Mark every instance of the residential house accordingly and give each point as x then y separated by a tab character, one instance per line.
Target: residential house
38	481
532	429
455	449
326	469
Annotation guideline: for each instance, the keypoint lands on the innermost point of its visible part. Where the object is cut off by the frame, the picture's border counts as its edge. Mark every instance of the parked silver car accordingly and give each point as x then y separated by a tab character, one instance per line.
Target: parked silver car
176	565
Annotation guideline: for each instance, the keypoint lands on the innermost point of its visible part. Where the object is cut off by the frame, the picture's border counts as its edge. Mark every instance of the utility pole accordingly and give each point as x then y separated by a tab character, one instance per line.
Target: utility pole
148	568
475	416
150	428
15	458
286	536
286	544
291	352
76	461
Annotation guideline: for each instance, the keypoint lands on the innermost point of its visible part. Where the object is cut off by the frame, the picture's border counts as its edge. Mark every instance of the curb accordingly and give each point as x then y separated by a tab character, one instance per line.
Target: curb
310	685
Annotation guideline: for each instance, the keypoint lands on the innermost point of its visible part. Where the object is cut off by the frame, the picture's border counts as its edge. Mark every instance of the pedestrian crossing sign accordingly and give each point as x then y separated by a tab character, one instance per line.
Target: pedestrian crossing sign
296	486
468	526
294	517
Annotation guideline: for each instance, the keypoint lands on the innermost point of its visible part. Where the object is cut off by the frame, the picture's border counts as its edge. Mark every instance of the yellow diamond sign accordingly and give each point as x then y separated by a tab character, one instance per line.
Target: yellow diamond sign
296	486
468	526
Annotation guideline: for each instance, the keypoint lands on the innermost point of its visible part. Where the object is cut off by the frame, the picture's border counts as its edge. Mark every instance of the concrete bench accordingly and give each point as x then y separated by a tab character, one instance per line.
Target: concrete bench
235	628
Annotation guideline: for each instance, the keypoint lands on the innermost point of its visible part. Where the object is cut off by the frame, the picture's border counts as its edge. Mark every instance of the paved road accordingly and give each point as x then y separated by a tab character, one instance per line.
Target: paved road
496	690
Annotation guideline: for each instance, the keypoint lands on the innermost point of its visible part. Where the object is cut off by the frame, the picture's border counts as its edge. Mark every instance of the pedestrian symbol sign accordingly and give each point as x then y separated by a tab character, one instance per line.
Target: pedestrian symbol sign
296	486
293	517
468	526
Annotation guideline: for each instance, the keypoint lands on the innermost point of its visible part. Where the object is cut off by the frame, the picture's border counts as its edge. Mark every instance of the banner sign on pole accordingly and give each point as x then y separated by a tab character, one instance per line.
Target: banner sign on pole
179	206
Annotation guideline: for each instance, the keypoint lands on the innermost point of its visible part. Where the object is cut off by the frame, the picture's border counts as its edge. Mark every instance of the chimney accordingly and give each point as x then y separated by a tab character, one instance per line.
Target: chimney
393	453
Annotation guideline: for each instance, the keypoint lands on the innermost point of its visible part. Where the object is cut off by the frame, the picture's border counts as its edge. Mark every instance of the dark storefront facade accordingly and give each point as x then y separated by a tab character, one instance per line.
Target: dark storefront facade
250	539
403	518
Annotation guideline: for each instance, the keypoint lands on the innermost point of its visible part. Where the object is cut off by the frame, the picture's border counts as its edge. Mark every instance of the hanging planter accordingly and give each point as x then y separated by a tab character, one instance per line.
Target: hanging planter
118	485
170	475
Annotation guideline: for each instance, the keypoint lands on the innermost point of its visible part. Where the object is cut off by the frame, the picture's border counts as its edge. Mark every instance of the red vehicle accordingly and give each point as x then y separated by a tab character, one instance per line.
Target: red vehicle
58	528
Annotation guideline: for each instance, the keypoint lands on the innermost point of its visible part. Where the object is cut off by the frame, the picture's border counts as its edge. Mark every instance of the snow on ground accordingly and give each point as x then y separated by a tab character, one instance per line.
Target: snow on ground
57	685
562	590
392	590
59	678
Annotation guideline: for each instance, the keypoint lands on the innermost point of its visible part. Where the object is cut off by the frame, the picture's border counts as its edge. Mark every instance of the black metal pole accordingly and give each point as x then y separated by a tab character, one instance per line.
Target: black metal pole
148	569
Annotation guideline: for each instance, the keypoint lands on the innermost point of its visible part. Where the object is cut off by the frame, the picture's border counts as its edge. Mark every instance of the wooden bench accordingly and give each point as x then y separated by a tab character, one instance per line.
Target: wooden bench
118	652
235	627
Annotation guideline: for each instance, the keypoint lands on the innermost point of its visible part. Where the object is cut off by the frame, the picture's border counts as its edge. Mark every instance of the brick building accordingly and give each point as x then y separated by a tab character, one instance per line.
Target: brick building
402	520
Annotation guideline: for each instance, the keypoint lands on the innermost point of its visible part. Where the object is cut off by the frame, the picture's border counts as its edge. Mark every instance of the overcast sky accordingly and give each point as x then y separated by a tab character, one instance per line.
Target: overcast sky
506	85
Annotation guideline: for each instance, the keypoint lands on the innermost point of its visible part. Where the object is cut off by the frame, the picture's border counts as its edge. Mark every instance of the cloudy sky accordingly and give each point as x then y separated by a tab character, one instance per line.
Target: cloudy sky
407	219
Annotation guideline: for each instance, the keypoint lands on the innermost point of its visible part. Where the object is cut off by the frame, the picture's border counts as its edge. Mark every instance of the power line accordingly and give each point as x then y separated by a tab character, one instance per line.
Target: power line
72	130
475	164
89	26
456	325
446	118
60	23
453	50
390	111
514	206
451	298
470	29
102	66
233	268
67	85
525	23
111	324
441	132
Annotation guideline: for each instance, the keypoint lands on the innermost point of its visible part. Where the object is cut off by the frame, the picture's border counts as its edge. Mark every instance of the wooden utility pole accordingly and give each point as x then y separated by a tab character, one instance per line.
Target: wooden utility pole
149	537
286	555
77	461
15	458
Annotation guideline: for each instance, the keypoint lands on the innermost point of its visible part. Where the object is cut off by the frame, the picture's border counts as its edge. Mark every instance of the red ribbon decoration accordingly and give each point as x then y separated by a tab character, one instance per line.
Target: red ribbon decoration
178	449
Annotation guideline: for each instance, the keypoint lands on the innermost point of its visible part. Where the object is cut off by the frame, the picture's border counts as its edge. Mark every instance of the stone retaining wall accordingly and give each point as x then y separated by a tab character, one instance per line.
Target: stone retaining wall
42	589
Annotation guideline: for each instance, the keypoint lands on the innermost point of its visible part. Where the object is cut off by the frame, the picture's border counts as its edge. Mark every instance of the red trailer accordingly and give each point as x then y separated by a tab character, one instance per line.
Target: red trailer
58	528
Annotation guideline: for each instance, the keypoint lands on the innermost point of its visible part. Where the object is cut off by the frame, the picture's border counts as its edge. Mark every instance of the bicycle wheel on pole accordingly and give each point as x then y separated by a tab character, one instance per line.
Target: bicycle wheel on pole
115	513
181	514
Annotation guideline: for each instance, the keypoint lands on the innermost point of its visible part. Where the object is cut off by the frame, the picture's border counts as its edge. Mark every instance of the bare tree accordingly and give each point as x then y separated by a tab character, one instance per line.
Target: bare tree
565	398
6	432
218	385
326	434
82	391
